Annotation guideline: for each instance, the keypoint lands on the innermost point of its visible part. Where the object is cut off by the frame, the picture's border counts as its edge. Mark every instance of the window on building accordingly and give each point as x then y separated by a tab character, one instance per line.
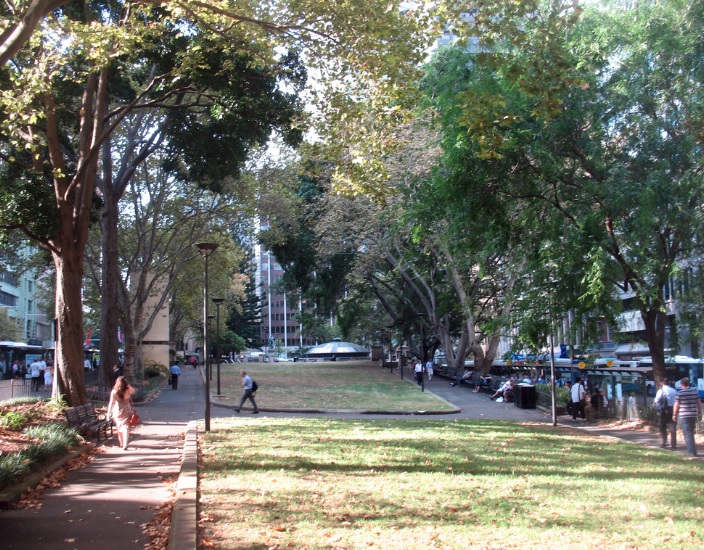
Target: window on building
10	278
7	299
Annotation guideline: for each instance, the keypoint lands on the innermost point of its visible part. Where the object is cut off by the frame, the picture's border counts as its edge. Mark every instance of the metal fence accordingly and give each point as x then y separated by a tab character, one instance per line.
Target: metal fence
96	389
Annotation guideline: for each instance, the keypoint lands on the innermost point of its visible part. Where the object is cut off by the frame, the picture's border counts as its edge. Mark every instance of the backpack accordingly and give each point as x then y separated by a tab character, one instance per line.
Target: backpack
255	386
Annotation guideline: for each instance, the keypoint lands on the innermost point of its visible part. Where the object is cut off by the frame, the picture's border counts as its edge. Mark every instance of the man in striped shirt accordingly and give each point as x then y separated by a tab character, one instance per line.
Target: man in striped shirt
689	409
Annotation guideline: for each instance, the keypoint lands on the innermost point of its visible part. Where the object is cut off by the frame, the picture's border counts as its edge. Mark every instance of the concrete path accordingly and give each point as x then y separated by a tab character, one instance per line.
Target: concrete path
104	505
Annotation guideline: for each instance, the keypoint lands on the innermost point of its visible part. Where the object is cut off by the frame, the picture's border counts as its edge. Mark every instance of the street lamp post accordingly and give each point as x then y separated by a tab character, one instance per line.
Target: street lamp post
553	396
422	344
206	249
209	361
217	302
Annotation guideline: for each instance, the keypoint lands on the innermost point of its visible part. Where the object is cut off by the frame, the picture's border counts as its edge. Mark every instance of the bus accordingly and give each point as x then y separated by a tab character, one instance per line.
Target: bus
613	362
679	366
20	352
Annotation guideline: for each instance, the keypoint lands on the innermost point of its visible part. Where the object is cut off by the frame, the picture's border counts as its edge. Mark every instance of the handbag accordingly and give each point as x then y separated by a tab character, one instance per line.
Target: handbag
134	419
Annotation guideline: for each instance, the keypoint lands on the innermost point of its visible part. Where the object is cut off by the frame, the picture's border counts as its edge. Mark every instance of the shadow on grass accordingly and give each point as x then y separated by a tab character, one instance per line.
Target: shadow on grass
462	448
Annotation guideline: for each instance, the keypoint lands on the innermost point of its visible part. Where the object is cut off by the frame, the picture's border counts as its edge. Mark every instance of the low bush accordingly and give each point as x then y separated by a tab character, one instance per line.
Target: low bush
49	441
562	395
153	370
13	420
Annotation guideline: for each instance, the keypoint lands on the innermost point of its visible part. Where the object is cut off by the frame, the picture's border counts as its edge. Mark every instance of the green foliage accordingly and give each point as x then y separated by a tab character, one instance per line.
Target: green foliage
562	395
21	401
153	370
13	420
50	440
9	329
576	138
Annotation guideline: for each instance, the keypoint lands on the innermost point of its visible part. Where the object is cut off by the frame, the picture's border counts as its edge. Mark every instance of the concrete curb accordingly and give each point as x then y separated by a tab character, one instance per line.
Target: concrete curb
184	519
454	410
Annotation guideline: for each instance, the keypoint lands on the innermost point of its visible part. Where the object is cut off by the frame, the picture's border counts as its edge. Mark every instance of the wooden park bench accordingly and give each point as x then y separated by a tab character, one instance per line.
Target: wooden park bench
87	421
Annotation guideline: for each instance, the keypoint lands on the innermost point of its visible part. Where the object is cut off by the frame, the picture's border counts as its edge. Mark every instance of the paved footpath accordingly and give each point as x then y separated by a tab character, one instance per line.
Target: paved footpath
104	505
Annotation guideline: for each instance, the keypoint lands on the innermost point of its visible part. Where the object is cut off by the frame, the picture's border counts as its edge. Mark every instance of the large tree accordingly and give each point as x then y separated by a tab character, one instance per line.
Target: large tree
56	116
590	122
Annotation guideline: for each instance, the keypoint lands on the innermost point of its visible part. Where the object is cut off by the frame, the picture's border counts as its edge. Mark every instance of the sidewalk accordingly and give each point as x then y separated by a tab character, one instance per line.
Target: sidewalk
105	504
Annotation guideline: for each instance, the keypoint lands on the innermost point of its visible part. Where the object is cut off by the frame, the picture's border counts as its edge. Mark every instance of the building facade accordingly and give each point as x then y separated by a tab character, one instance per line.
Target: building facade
19	294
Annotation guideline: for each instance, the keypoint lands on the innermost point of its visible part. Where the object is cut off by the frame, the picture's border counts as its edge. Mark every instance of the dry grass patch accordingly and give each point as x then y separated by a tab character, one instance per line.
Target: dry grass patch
322	484
350	385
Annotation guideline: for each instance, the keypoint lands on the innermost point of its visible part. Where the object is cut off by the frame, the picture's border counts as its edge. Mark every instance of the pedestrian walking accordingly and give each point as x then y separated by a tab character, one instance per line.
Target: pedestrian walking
429	369
578	400
175	372
120	409
418	368
688	408
664	405
250	388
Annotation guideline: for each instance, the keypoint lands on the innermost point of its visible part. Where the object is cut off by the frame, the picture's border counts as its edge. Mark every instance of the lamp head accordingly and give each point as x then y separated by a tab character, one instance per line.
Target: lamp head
206	249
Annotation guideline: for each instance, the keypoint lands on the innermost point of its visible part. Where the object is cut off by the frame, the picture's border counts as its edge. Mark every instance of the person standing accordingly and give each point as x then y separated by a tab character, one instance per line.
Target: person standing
48	378
569	406
664	405
35	371
120	409
578	397
429	369
688	408
248	385
175	372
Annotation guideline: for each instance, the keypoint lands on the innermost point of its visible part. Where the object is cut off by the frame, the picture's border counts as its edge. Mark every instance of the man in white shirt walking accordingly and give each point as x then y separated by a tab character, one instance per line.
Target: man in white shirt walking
578	397
664	403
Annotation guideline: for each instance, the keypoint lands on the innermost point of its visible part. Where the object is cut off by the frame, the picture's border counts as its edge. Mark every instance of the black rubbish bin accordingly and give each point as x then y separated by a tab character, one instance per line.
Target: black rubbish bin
525	396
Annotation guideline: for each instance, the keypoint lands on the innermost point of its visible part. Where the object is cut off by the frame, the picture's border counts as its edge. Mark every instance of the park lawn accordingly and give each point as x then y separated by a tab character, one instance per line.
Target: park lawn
408	484
345	385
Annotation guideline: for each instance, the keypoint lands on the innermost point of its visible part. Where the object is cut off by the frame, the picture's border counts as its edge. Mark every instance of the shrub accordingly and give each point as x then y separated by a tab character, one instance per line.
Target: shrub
21	401
562	395
153	370
53	439
13	420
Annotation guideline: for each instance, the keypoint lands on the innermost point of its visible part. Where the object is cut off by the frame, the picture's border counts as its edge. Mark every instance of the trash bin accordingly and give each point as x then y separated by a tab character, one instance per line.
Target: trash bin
525	396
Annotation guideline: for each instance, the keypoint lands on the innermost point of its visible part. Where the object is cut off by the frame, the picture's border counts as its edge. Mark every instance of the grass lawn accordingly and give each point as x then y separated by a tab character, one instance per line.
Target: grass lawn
407	484
416	484
336	385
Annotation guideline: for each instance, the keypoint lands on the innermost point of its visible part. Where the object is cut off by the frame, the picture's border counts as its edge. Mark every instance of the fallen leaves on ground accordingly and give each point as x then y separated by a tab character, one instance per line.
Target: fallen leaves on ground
159	528
32	497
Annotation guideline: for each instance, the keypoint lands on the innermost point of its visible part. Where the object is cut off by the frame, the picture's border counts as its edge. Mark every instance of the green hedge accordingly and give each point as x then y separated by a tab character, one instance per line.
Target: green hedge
52	440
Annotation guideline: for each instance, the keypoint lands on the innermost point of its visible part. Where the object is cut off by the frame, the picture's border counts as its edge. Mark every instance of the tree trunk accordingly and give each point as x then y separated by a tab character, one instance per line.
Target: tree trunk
74	199
69	313
655	323
109	314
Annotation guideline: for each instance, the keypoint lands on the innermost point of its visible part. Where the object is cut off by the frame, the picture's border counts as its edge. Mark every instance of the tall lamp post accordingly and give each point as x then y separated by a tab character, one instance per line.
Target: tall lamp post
217	302
209	362
422	344
553	396
206	249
